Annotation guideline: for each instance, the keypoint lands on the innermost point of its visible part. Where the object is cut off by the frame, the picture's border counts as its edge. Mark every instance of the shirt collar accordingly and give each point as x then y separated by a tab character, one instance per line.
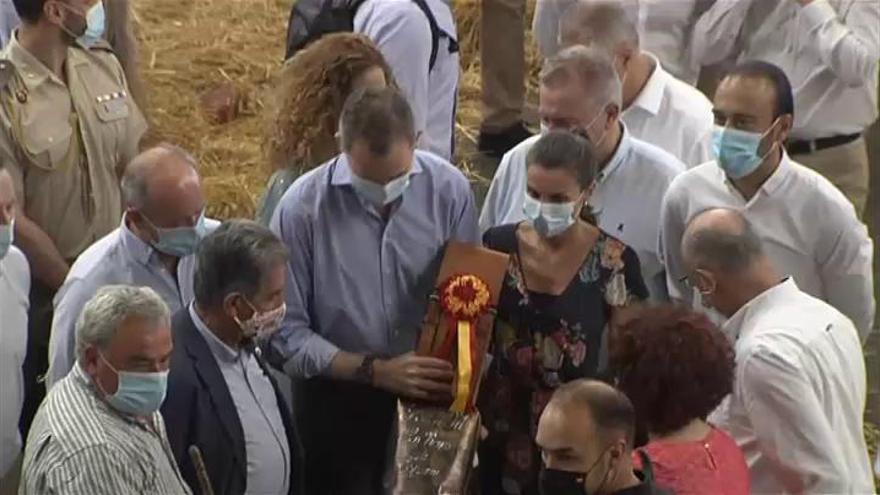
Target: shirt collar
735	325
651	96
619	156
219	349
134	245
772	184
33	72
342	171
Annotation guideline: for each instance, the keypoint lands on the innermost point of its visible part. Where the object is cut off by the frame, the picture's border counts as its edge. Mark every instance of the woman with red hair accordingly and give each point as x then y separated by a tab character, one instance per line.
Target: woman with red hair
676	367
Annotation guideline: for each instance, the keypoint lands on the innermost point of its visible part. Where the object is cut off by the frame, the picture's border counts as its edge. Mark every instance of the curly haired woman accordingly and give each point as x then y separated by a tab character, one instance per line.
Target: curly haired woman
311	90
676	367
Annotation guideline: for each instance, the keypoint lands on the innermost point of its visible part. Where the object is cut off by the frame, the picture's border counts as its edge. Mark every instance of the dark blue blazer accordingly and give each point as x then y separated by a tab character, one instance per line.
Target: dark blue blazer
198	410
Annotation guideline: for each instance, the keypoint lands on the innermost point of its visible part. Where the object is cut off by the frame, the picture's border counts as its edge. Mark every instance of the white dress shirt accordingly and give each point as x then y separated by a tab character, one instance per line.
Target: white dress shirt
810	232
403	34
665	28
829	50
15	281
120	257
798	395
673	116
627	190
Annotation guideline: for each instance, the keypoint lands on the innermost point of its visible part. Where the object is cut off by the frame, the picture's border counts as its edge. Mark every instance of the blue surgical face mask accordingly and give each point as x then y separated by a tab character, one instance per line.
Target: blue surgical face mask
137	393
549	219
179	241
737	151
94	25
378	194
7	235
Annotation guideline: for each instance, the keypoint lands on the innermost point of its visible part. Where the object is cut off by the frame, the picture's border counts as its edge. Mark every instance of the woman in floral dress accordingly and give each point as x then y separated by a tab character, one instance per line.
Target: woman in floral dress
566	281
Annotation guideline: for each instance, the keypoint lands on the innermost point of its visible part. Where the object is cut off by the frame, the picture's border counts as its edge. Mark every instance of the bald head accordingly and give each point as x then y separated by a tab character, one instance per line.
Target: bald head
607	23
610	412
162	188
721	240
157	173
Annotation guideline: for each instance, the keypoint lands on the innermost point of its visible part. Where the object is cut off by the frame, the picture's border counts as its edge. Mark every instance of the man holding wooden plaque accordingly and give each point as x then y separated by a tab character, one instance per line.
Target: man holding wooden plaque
366	233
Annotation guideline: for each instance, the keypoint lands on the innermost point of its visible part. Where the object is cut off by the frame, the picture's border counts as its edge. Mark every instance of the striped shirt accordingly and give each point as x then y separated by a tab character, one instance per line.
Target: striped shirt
80	445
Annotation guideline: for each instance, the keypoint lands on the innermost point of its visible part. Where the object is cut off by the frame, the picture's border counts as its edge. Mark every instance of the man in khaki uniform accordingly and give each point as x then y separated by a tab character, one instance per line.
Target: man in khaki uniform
67	128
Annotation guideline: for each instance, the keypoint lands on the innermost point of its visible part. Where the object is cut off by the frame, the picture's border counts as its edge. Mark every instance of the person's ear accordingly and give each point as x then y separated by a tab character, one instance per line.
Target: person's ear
705	282
612	113
234	307
90	360
786	122
52	12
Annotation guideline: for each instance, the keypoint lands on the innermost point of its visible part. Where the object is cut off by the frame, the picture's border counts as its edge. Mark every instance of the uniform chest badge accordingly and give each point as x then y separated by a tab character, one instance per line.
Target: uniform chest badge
113	103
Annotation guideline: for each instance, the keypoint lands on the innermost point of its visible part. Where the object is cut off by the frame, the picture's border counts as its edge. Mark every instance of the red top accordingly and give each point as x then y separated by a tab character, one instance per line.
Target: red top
714	465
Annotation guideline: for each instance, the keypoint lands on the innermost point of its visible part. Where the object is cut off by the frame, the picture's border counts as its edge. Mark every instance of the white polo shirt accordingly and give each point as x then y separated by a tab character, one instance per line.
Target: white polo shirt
810	232
798	395
15	281
403	34
829	50
673	116
627	191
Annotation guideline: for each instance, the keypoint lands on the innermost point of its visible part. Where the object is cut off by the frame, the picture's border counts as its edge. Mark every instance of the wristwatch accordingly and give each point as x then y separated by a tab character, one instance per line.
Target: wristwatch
364	372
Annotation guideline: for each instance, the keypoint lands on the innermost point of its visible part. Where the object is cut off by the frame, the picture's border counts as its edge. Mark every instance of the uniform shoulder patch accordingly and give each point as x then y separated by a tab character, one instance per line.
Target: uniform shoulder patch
102	45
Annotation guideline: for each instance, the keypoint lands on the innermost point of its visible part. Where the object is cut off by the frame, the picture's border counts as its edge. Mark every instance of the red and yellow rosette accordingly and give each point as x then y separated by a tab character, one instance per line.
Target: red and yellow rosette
463	299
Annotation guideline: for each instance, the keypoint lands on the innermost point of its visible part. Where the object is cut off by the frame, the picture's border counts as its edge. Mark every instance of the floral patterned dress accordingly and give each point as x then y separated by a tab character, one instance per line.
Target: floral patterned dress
540	342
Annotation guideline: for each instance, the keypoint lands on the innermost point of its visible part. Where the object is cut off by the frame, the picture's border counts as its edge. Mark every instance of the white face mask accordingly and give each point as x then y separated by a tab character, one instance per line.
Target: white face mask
549	219
380	194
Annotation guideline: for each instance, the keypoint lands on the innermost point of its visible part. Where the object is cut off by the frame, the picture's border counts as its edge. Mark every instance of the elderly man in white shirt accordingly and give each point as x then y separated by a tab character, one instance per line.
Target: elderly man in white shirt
830	50
799	388
658	108
811	232
15	284
580	91
99	431
423	54
665	28
153	246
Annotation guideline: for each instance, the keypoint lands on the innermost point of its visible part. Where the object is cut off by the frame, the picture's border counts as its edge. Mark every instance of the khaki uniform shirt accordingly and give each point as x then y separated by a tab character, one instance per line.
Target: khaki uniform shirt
67	144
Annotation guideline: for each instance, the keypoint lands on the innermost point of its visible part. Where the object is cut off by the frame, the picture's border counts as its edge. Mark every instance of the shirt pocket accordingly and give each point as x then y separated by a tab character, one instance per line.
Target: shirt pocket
47	146
112	109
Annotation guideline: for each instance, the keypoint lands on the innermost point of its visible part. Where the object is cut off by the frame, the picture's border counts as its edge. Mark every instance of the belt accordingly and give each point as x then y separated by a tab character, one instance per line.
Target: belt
812	146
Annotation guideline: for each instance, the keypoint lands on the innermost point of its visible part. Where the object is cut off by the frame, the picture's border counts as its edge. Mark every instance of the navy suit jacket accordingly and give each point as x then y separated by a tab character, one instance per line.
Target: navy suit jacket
198	410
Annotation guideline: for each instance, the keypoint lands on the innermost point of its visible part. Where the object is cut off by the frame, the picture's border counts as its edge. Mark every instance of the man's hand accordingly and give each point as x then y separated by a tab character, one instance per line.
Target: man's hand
415	377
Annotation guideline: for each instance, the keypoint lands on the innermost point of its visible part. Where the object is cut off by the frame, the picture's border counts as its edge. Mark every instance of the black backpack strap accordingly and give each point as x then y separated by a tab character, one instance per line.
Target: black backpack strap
647	467
436	33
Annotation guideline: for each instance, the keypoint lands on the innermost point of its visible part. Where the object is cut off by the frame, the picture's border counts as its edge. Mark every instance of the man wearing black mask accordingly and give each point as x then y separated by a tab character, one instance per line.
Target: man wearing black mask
586	438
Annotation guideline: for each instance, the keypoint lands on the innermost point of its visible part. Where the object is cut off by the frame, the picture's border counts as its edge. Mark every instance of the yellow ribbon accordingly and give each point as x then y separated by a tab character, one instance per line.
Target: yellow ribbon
462	389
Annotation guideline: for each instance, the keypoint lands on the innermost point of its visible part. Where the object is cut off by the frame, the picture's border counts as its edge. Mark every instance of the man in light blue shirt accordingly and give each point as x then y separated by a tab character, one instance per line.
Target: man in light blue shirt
581	91
163	222
366	232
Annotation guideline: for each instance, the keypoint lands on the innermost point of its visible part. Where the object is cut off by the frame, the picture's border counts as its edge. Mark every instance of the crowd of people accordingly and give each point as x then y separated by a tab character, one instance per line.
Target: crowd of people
689	289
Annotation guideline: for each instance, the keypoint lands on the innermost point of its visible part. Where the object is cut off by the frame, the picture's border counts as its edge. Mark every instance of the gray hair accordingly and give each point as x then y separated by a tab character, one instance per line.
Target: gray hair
135	180
235	258
722	239
379	116
604	22
104	314
592	67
